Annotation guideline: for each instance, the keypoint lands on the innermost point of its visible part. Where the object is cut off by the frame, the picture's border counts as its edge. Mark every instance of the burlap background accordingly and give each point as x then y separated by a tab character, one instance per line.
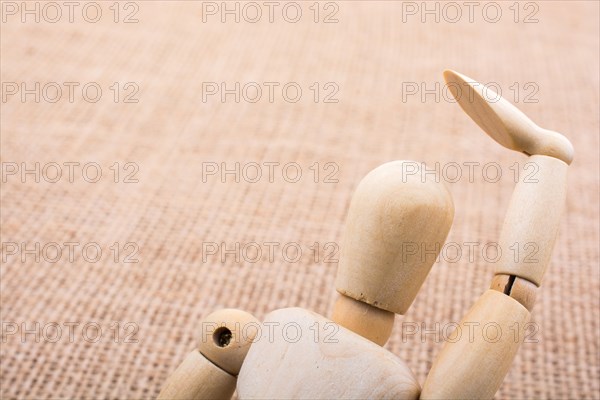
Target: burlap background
371	55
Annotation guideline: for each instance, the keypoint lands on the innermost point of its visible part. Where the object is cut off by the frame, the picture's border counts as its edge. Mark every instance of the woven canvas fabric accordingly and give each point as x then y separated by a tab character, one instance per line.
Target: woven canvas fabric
92	324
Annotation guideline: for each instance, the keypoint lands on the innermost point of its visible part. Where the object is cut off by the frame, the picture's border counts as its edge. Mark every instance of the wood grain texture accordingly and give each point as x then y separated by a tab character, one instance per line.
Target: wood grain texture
395	228
518	288
505	123
369	322
226	336
292	363
210	371
533	218
197	378
475	360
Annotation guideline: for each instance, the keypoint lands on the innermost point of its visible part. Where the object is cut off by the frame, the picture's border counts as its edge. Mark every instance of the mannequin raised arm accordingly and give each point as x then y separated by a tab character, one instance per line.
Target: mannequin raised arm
474	366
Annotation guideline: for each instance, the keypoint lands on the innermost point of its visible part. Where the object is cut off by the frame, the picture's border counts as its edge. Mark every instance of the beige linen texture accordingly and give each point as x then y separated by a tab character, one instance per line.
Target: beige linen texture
371	55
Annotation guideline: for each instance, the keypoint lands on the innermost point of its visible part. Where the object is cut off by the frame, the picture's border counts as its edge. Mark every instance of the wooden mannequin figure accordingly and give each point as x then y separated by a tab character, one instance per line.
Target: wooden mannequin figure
299	354
397	223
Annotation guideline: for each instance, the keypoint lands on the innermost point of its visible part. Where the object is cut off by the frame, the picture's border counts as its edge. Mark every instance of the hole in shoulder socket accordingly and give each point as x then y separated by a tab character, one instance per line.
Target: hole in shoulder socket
222	336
